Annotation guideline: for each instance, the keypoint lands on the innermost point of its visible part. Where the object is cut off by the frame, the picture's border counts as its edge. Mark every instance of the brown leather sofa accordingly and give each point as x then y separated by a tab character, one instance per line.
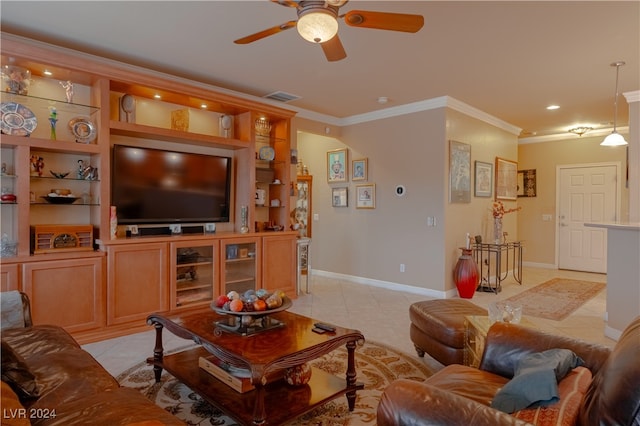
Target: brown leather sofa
461	395
47	379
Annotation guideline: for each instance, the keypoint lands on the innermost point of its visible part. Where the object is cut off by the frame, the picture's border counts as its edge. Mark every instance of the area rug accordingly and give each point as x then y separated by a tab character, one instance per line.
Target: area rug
377	366
557	298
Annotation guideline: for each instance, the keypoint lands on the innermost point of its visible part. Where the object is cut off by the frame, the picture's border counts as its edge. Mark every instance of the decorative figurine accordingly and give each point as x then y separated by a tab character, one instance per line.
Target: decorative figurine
80	173
17	79
36	165
68	87
53	119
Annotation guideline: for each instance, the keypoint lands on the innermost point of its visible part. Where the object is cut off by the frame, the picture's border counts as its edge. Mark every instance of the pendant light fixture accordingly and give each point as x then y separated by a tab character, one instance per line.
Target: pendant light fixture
615	138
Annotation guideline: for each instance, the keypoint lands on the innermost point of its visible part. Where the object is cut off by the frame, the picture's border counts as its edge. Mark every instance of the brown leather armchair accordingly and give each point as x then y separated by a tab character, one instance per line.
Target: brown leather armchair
461	395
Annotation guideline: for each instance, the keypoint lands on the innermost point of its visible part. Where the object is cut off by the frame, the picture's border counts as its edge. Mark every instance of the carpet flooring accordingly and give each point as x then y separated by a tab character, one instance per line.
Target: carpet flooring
557	298
377	365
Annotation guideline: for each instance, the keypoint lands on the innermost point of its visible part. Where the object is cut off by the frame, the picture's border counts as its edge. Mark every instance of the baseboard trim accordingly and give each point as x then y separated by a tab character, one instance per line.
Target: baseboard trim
540	265
436	294
612	333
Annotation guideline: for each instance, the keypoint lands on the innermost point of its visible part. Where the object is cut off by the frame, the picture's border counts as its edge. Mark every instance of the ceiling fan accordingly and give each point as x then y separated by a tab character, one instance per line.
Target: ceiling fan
318	23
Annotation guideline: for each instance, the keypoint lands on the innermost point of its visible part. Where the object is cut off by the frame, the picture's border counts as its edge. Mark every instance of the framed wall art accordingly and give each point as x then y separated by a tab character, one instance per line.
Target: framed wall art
337	170
527	183
483	179
366	196
359	169
459	172
506	179
339	197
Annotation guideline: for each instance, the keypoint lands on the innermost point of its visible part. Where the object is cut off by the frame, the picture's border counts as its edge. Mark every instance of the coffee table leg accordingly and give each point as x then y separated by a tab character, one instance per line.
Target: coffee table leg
259	413
351	374
158	351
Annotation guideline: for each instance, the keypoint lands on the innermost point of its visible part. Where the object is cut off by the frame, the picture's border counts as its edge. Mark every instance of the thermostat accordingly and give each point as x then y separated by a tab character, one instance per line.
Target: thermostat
400	190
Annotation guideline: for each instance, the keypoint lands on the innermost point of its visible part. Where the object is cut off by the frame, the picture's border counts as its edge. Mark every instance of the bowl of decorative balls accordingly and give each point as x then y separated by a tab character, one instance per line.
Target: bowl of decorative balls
250	312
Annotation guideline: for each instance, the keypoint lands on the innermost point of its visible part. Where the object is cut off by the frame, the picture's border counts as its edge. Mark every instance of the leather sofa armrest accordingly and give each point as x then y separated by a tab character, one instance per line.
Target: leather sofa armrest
410	403
507	343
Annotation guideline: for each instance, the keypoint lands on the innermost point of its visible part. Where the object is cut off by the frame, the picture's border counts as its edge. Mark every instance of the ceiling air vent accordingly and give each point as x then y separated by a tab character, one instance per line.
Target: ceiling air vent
282	96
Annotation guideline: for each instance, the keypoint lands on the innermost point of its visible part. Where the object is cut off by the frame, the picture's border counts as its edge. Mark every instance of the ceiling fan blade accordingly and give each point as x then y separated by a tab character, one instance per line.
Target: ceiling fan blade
333	49
288	3
262	34
384	20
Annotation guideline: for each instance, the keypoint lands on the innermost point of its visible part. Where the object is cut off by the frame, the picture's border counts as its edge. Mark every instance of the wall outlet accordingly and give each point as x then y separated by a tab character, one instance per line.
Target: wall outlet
176	229
133	229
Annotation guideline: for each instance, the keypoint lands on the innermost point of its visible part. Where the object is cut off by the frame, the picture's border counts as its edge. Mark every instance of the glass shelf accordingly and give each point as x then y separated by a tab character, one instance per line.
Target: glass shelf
61	106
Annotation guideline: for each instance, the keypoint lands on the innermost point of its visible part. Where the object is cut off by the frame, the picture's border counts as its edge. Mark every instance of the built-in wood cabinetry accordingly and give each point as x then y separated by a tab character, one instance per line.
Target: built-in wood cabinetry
136	281
69	293
9	277
139	275
279	263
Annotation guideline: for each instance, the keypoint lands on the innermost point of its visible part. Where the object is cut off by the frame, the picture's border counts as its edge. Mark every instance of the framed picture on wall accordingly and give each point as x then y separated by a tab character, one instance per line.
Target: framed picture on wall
459	172
366	196
339	197
506	179
337	170
483	179
359	169
527	183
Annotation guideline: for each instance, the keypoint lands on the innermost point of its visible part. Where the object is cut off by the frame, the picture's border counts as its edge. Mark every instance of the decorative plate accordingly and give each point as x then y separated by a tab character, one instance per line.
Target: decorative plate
267	153
60	199
83	130
17	119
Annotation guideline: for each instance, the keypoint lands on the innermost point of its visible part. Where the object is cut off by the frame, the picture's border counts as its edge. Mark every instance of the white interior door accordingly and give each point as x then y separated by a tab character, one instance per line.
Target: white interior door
586	195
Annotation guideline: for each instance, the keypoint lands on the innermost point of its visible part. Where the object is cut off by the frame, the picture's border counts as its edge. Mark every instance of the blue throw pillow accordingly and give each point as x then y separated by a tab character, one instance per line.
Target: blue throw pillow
536	380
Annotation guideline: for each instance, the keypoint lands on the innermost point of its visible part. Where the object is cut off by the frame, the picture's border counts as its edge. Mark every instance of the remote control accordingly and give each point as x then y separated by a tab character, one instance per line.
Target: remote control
318	330
325	327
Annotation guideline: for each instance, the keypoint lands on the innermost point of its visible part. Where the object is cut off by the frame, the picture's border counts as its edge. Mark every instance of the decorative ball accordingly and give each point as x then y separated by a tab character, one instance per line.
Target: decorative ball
298	375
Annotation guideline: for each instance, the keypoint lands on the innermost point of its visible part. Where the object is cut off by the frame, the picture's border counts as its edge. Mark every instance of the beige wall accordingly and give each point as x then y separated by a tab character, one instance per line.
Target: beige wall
410	150
540	236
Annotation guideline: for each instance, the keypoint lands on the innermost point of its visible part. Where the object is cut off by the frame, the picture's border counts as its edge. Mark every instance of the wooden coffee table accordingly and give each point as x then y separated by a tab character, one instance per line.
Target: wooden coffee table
265	355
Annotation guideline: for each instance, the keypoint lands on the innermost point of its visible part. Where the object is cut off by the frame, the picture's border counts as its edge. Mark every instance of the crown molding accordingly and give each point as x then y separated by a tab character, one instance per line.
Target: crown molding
569	136
426	105
632	96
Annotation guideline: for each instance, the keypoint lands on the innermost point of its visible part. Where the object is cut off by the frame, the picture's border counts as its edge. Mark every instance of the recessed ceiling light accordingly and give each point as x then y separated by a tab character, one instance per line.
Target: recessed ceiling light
552	107
157	96
47	72
203	106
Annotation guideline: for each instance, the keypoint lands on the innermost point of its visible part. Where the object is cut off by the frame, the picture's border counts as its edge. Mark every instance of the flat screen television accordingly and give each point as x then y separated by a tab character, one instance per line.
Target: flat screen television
154	186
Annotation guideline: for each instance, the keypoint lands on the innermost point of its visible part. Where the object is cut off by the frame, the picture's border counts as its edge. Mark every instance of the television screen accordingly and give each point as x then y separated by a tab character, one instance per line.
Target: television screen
156	186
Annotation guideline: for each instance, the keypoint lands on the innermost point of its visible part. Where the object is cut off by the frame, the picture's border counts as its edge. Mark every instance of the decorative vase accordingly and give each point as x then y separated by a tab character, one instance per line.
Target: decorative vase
497	230
465	274
244	218
298	375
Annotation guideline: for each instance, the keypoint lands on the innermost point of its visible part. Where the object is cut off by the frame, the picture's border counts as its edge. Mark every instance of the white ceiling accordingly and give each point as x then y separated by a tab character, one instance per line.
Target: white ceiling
509	59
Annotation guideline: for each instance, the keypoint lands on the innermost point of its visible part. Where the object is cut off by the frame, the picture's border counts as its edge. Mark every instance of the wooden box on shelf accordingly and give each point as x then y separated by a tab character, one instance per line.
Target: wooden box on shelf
61	238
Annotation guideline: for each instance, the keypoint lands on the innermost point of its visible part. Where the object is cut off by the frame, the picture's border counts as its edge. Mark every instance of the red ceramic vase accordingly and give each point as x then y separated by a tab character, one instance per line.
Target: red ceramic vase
298	375
465	274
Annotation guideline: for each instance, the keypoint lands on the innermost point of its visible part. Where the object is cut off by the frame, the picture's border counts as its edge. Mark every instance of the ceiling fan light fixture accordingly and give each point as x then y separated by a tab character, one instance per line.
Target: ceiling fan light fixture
615	138
318	25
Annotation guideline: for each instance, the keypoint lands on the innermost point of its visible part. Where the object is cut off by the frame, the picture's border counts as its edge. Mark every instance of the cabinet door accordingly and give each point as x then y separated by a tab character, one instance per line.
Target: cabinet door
240	262
194	274
137	281
67	293
279	263
9	277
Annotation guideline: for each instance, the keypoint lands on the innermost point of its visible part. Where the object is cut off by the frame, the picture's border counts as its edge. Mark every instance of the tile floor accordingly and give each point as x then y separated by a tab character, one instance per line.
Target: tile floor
382	315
